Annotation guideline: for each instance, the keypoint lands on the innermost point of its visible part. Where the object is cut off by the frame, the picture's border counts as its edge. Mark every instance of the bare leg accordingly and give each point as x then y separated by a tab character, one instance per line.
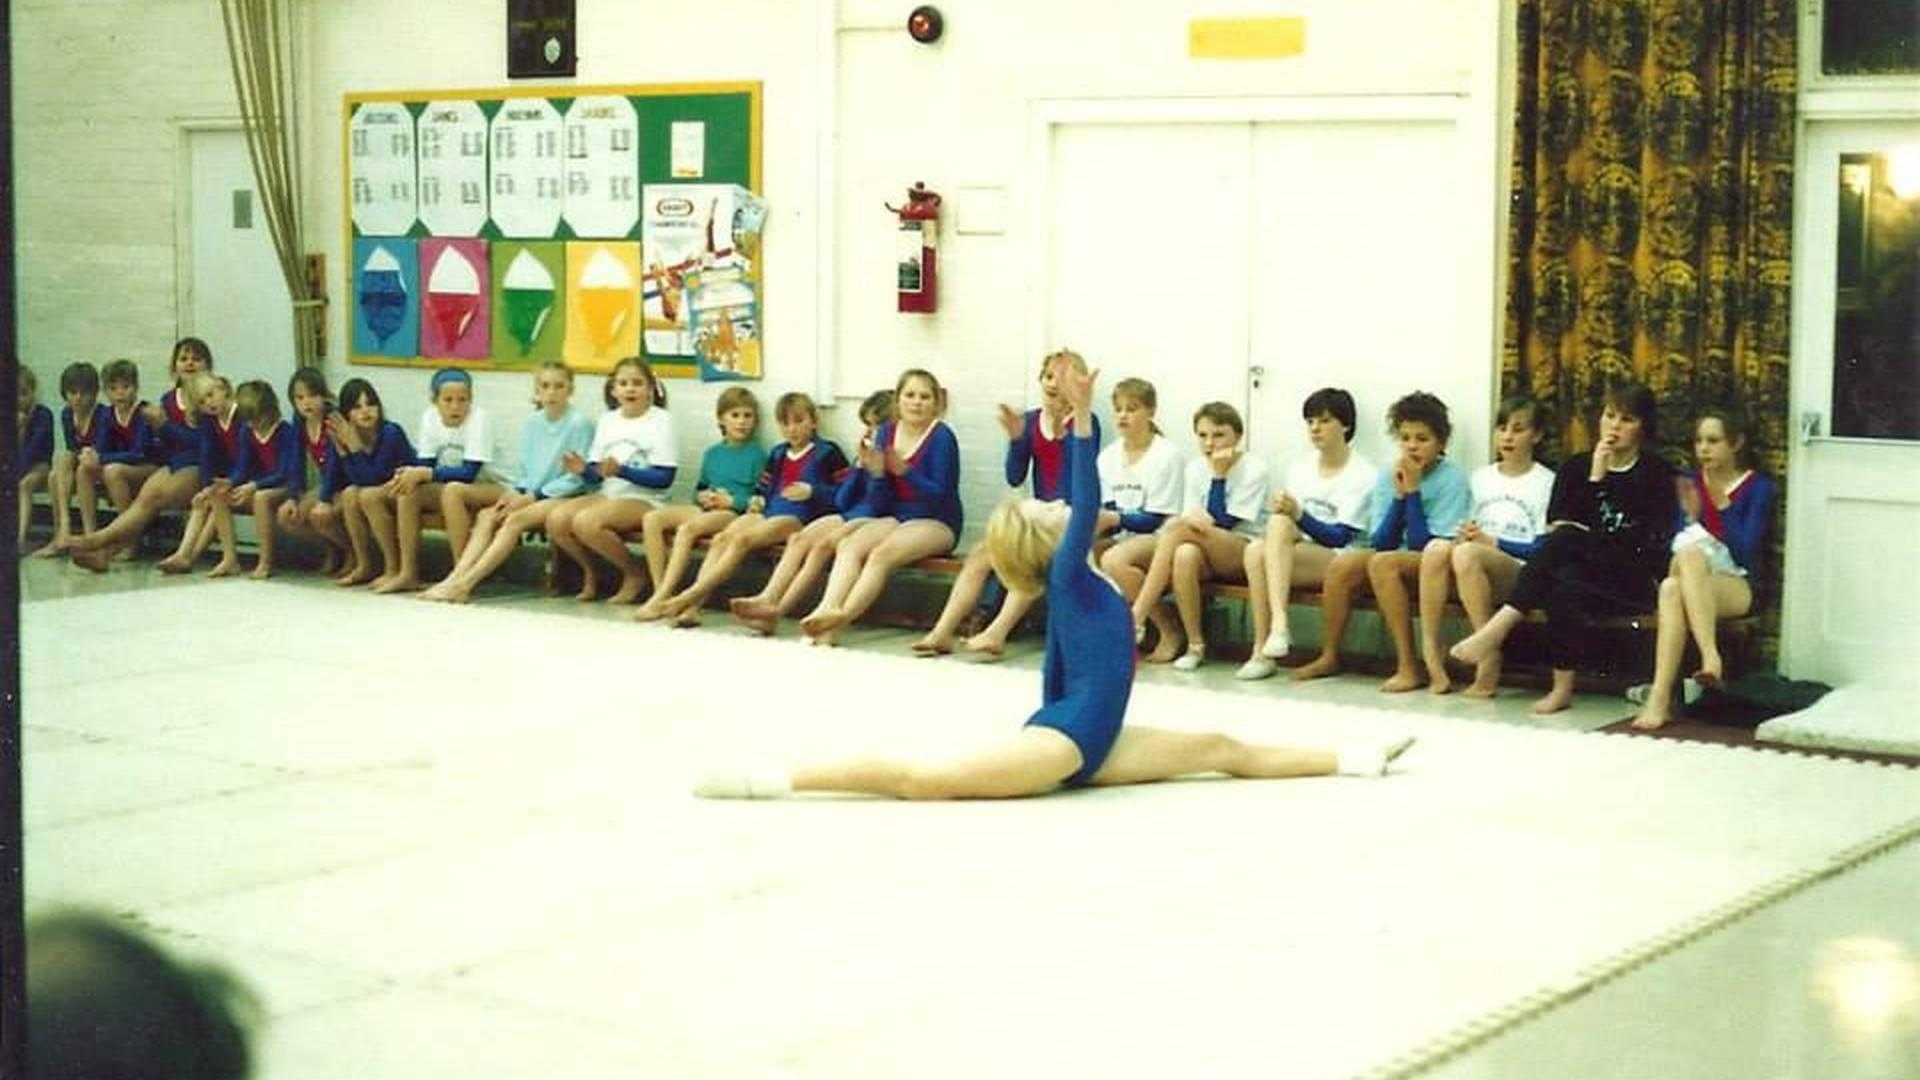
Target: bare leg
1032	762
123	481
1483	573
1126	564
458	504
560	531
1707	596
60	492
86	489
1436	579
324	519
909	542
1559	697
379	509
654	532
404	576
700	524
993	640
199	522
1345	573
849	561
229	563
34	480
604	527
266	504
1160	571
168	489
1388	572
1485	642
359	568
748	534
967	587
1669	648
1144	755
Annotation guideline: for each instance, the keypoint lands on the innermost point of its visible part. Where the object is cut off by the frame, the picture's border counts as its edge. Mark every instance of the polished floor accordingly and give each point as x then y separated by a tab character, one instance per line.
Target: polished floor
458	842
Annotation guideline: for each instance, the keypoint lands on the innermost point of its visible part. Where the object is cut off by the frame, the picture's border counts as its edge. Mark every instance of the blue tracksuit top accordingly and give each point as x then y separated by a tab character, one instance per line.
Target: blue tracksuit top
1088	670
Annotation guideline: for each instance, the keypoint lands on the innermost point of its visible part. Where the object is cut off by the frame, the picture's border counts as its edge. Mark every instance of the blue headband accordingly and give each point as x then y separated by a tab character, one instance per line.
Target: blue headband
449	375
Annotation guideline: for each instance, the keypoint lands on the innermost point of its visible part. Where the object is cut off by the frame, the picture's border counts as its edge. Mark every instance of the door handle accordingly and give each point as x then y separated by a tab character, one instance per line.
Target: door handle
1810	425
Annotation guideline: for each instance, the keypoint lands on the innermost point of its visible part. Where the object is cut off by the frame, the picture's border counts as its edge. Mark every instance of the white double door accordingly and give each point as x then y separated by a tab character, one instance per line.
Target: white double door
1254	262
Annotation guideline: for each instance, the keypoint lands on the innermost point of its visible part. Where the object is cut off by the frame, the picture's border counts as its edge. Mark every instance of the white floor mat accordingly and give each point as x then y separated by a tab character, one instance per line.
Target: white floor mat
1873	719
458	841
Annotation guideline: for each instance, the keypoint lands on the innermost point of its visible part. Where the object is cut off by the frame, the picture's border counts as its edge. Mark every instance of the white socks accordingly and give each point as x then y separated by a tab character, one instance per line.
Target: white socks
1276	646
1370	759
758	783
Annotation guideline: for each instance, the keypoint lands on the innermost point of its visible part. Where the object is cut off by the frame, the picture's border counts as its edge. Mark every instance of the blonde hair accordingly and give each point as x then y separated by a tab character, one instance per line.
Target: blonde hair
1079	362
195	386
1020	548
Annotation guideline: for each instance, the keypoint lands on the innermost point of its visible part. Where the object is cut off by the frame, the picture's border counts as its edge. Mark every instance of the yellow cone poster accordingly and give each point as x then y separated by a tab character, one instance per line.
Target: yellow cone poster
603	303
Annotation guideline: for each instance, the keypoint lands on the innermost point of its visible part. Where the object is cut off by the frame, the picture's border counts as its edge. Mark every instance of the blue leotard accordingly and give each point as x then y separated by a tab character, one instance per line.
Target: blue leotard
1088	673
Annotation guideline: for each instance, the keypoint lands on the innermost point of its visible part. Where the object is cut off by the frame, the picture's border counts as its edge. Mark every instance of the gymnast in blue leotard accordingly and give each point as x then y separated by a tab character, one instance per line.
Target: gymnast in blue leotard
1078	736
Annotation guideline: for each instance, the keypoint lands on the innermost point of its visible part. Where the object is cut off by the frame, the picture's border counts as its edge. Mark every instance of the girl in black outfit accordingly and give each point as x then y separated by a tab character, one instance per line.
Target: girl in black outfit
1609	524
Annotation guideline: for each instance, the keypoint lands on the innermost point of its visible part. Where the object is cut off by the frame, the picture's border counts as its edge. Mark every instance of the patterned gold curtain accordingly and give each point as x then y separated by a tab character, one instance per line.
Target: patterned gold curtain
1651	224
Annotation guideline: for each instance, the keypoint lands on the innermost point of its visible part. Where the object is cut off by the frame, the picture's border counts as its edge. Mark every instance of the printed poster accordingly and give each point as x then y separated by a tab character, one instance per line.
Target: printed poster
452	153
454	321
529	323
602	167
380	166
386	291
689	228
525	169
603	303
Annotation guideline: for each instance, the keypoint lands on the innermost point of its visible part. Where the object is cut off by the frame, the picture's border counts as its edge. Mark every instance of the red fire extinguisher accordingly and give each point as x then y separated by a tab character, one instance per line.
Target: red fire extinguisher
919	250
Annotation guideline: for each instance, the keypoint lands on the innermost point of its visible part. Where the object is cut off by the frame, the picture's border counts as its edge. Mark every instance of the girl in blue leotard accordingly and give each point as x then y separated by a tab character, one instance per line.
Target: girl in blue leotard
1076	738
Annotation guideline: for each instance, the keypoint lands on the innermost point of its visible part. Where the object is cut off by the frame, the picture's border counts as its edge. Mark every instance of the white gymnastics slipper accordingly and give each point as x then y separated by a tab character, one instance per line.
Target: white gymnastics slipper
1371	759
763	783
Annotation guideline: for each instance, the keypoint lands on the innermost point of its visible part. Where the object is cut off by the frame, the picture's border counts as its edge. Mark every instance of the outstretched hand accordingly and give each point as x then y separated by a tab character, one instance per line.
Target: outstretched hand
1076	386
1012	421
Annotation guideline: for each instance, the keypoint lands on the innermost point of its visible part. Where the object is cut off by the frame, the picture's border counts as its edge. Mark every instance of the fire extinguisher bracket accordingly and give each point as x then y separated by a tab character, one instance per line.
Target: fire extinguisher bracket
917	265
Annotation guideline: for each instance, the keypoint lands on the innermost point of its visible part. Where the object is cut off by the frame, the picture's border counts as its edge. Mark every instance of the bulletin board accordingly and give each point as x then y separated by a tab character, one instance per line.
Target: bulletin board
497	229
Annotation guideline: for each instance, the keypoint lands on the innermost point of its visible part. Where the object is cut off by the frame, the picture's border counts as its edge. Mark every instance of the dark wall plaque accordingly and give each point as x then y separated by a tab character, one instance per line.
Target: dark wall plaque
540	39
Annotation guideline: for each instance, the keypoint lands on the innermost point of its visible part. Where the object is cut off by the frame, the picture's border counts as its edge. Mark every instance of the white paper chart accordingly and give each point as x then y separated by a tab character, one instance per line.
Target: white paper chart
381	156
526	170
452	150
603	167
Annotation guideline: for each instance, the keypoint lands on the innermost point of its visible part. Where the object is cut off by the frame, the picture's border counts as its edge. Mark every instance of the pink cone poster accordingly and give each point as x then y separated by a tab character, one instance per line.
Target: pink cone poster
453	310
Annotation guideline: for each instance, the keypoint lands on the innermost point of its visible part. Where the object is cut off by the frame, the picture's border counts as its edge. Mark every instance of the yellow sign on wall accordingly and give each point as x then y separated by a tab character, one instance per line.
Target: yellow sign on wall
1246	39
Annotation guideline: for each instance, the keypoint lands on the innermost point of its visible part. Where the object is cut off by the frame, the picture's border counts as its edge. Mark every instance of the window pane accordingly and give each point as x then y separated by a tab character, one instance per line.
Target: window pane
1870	37
1876	337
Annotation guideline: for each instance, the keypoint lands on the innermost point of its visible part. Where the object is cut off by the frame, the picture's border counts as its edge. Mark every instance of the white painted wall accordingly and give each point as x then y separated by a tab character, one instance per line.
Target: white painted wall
102	86
100	91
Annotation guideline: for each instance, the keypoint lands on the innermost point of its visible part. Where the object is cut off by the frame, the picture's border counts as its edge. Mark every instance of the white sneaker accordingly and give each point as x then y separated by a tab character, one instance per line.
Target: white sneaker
745	784
1690	692
1190	660
1276	647
1258	667
1371	759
